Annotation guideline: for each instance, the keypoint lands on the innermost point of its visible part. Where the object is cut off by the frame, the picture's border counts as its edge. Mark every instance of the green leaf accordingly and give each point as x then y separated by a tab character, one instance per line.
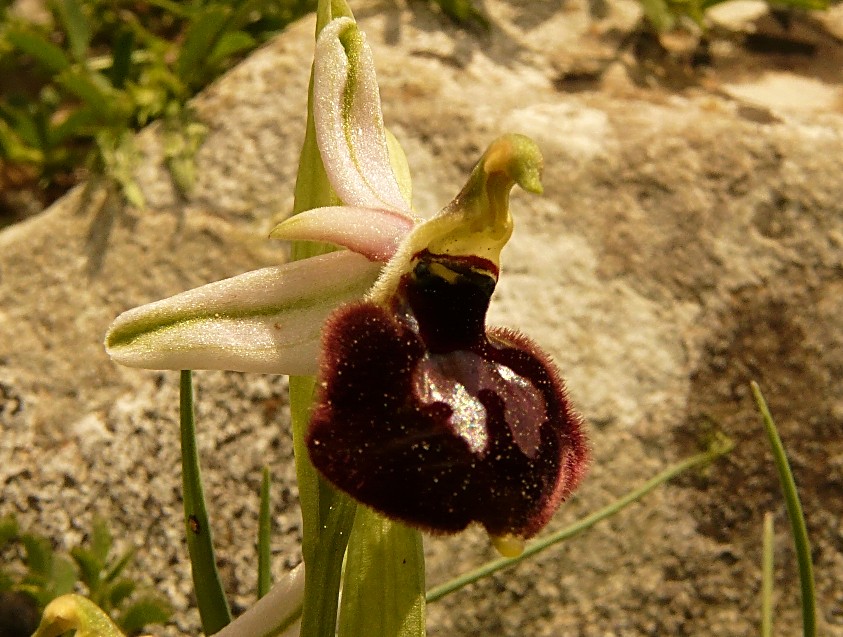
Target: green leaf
210	597
8	529
63	576
45	53
816	5
101	540
327	10
150	609
178	9
119	565
245	10
74	612
264	534
463	12
659	14
6	580
383	591
121	58
89	567
181	138
92	88
230	44
794	513
22	124
16	149
119	591
39	554
200	38
76	26
78	123
118	154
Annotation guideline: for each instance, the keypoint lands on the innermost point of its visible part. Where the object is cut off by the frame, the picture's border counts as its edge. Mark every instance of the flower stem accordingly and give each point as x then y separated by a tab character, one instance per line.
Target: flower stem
264	532
327	517
210	597
717	449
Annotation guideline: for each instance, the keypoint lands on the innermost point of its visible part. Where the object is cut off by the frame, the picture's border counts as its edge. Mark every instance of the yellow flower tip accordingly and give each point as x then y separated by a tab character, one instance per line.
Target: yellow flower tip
285	229
518	158
508	545
477	223
74	612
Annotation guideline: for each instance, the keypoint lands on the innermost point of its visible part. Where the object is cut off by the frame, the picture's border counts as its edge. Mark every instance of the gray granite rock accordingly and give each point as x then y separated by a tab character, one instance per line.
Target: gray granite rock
690	239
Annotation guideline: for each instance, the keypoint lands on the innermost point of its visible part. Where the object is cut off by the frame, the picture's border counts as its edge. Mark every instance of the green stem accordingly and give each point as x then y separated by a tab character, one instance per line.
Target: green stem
210	597
767	578
327	517
719	448
794	513
264	533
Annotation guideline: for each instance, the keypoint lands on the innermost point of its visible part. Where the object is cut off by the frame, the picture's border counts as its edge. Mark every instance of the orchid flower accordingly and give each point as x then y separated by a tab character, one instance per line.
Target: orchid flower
421	412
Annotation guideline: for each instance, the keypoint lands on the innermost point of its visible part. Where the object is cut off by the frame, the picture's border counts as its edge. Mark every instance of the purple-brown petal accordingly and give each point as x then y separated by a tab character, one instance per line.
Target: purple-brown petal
429	418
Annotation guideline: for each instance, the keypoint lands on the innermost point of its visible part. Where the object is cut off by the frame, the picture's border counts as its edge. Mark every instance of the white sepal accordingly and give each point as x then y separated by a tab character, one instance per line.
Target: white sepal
349	125
267	321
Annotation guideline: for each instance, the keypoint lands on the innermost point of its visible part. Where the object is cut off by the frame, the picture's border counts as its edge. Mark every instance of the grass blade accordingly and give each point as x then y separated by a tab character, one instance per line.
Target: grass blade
794	513
719	447
121	58
47	54
76	26
210	597
264	532
228	45
207	26
93	89
767	578
113	571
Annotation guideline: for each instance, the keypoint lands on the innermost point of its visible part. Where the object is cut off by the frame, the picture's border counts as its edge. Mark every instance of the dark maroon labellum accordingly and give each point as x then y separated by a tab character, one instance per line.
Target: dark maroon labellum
428	417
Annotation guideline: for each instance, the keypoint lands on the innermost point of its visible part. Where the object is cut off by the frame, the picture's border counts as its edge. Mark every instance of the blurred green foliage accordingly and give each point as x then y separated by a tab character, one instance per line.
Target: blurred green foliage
33	574
664	15
77	81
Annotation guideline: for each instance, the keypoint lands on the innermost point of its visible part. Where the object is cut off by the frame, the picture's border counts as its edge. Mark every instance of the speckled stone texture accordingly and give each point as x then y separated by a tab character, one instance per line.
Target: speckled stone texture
690	239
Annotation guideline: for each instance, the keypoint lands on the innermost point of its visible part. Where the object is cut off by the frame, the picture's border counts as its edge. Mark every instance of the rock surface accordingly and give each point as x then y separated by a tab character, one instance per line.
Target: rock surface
690	240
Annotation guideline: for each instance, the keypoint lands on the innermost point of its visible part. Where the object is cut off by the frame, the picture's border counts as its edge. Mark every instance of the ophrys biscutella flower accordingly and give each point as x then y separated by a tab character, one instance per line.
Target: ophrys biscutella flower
422	412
